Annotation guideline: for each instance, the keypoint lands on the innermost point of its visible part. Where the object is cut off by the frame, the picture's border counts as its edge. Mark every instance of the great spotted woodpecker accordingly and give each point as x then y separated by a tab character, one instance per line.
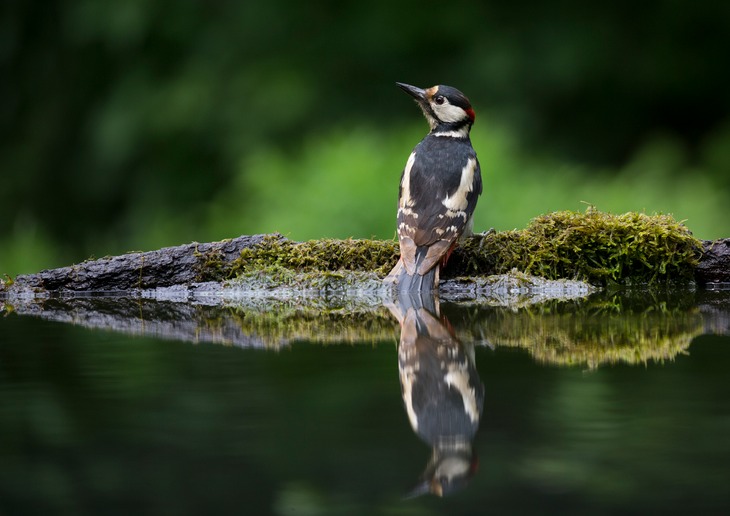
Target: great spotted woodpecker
442	392
438	189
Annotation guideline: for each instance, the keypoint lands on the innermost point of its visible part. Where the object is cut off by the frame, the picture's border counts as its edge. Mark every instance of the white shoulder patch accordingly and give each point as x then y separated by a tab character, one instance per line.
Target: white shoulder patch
458	201
405	200
458	377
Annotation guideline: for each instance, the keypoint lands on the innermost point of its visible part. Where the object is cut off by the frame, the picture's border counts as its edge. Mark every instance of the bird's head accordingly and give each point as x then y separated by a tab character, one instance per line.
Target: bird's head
445	108
449	470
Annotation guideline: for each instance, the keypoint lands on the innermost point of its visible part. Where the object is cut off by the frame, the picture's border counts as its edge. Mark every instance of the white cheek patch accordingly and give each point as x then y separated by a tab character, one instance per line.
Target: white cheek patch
451	468
405	196
458	202
449	113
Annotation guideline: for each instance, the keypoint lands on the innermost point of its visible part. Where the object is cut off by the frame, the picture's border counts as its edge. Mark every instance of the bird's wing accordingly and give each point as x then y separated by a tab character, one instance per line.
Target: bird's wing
437	199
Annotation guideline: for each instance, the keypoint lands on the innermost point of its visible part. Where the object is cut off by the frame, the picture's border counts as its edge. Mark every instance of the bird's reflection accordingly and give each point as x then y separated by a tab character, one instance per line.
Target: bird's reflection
442	392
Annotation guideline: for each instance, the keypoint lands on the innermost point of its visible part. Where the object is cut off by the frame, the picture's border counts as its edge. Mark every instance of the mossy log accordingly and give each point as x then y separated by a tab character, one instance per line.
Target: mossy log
595	247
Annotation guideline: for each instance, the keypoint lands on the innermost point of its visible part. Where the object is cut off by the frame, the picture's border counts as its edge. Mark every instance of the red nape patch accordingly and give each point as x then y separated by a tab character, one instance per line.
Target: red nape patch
471	114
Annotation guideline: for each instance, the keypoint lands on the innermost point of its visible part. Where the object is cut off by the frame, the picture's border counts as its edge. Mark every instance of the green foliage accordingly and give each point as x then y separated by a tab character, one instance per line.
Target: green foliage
341	184
143	124
345	183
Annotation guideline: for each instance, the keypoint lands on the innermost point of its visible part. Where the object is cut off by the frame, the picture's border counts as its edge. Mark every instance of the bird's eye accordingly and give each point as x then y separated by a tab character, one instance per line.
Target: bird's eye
438	100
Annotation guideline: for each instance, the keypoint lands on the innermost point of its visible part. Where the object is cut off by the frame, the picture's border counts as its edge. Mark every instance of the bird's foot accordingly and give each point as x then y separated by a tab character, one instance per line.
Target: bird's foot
482	237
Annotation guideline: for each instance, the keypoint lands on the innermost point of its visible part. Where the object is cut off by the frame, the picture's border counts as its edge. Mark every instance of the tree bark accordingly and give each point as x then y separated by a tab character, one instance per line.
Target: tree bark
714	266
167	267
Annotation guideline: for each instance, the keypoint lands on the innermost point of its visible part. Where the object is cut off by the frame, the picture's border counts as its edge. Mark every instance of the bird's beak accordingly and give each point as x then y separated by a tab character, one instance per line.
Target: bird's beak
417	93
421	489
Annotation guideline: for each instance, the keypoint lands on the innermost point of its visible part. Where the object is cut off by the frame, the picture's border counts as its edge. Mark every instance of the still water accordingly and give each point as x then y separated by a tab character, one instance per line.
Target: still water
606	406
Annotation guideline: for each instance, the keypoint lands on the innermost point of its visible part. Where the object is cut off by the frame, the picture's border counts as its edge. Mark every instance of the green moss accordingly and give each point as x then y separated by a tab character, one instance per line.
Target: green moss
211	265
6	282
278	323
285	280
593	246
604	329
275	254
597	247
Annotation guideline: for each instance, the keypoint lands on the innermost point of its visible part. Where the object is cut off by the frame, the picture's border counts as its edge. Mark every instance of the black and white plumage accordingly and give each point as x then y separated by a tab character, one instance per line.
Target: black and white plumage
442	393
439	188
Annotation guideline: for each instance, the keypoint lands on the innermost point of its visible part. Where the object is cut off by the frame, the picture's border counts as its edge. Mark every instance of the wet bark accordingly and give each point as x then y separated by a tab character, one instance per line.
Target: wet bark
167	267
714	267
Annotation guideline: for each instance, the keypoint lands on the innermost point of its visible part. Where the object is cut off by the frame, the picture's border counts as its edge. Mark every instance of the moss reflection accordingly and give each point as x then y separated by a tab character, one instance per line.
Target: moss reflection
602	329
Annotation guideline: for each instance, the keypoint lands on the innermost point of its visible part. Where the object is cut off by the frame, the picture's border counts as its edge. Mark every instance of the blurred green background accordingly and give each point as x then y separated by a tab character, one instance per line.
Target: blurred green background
135	124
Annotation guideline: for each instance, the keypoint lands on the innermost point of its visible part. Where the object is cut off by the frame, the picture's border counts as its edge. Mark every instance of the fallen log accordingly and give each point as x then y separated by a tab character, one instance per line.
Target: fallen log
599	248
714	264
170	266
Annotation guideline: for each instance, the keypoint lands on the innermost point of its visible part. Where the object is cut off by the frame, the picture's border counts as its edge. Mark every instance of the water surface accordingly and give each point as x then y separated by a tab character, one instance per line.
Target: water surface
612	406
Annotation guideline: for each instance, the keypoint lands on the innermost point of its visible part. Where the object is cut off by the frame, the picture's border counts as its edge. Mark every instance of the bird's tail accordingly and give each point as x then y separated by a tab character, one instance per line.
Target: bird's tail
405	282
419	283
